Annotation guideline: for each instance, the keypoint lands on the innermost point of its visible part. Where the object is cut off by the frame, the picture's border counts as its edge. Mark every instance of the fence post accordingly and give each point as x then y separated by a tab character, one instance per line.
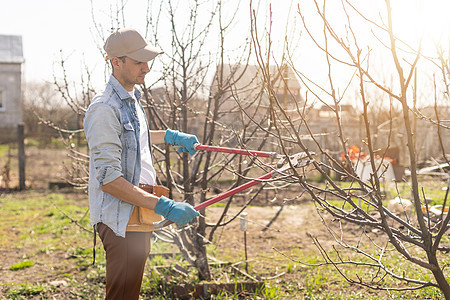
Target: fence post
21	146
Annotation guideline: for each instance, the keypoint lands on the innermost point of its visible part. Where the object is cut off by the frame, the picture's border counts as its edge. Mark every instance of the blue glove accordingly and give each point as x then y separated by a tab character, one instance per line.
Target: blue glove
186	141
177	212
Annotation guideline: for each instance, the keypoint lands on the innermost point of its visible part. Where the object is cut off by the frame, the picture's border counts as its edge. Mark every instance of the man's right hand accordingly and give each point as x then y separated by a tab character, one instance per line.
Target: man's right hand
177	212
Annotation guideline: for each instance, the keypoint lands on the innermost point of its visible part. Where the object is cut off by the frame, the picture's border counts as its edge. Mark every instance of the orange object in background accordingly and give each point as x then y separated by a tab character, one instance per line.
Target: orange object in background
354	154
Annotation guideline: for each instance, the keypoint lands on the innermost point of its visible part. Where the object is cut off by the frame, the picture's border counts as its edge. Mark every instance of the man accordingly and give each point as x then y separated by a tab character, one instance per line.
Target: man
120	161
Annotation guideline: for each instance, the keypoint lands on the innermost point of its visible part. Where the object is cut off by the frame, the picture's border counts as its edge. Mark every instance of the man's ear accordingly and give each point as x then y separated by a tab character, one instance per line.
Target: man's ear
115	62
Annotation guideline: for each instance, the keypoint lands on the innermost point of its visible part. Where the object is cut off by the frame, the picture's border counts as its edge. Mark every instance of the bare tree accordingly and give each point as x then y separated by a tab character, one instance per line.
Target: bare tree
42	101
179	105
415	236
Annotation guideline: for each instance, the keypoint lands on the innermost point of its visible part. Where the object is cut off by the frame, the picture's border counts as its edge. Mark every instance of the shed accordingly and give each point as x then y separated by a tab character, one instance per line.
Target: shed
11	60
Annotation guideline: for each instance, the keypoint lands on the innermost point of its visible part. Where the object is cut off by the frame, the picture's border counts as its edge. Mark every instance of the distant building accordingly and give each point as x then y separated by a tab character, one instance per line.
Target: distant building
11	59
239	87
322	122
430	140
244	86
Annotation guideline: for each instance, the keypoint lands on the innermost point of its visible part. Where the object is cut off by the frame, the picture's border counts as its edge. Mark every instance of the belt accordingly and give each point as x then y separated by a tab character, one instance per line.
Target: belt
157	190
146	187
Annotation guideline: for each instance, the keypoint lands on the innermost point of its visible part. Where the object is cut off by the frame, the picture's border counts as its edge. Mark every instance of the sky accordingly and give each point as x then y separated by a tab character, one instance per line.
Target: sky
49	29
55	29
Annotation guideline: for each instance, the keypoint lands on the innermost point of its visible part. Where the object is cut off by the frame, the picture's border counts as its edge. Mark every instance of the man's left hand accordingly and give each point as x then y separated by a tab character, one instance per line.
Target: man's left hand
185	140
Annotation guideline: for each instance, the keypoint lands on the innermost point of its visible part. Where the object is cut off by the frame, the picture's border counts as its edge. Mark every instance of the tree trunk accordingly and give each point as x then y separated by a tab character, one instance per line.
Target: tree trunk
439	276
201	263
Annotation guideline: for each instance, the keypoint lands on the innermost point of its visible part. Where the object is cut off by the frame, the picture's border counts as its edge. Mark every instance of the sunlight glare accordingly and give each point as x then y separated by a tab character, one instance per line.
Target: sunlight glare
426	20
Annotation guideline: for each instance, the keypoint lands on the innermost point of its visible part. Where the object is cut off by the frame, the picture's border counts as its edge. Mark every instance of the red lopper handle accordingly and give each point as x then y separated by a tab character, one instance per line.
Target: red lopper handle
235	151
220	197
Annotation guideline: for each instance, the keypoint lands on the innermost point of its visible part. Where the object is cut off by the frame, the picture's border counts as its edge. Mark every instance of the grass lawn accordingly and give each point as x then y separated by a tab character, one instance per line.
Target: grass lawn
46	253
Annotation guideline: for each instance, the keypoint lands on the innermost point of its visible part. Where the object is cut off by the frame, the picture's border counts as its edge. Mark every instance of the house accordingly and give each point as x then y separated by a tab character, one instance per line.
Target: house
242	85
238	88
11	60
323	124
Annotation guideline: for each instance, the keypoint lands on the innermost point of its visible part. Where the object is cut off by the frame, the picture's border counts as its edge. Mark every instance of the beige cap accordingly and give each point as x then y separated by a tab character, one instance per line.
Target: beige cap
128	42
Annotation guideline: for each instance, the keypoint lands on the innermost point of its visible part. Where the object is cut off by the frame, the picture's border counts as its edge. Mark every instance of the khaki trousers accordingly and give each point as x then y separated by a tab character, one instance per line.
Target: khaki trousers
125	262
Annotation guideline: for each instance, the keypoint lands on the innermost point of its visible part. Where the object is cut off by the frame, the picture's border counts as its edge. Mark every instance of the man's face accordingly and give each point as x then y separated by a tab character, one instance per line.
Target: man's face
129	71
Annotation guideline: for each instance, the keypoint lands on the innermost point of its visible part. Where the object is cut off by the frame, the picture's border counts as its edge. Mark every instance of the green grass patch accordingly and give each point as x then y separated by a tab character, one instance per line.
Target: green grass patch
41	220
323	281
25	290
49	227
22	265
53	142
434	191
4	150
218	205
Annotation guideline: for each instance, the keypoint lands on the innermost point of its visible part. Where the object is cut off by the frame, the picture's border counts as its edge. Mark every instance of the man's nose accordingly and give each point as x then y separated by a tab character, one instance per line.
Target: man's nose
145	68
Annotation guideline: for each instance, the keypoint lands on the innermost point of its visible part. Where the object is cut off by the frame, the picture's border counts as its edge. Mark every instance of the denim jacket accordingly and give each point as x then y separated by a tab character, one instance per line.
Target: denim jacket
111	126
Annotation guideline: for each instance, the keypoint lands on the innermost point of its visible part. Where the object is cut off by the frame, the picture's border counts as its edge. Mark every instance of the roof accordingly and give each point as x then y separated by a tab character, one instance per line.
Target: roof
11	49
